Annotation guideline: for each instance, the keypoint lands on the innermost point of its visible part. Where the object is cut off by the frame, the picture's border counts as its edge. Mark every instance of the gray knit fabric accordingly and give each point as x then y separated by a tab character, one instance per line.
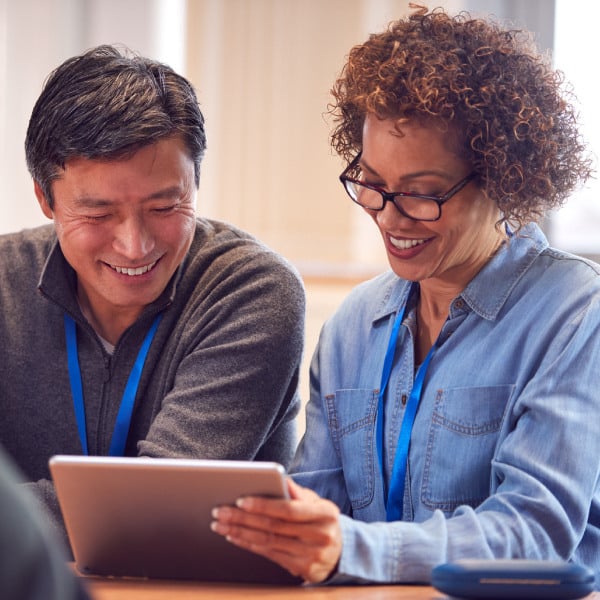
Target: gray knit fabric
220	380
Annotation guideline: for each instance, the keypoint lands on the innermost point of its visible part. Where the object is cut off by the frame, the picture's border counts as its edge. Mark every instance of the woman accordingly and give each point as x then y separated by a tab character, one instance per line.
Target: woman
454	400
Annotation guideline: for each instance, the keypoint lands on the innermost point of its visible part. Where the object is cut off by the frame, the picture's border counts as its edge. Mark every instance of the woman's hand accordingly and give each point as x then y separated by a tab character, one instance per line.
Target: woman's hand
302	534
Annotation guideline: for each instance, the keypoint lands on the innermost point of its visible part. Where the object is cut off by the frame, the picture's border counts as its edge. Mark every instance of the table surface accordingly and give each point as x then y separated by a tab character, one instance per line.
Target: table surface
123	589
107	589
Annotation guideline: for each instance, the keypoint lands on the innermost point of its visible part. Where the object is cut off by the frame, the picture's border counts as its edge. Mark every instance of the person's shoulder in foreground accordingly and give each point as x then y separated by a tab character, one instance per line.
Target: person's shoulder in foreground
451	404
32	563
157	332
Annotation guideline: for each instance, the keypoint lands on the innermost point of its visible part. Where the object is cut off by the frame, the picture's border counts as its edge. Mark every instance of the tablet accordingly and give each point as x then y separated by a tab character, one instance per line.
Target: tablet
513	578
150	517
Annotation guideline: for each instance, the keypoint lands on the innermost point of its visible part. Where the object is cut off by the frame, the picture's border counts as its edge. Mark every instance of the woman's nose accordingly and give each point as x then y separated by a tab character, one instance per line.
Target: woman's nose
390	217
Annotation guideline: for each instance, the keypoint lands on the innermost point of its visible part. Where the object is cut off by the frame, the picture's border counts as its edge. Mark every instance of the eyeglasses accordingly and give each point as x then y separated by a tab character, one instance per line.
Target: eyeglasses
419	207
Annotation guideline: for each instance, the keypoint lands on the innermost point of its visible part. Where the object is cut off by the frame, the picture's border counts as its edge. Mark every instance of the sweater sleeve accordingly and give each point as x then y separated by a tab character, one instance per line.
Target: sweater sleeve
235	367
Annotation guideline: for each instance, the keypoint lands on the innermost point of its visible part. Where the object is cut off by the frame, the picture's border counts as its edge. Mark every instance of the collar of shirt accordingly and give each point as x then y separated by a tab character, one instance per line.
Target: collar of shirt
488	290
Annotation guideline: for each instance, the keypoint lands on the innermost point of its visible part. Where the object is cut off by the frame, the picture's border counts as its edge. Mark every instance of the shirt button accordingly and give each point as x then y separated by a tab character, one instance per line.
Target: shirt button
403	399
459	304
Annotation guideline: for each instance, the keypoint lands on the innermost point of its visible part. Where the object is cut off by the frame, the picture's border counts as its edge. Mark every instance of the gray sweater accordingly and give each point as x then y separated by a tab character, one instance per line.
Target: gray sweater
220	379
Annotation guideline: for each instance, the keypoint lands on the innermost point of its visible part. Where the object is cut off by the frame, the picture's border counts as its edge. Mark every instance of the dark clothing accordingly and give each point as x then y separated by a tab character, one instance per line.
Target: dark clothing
32	563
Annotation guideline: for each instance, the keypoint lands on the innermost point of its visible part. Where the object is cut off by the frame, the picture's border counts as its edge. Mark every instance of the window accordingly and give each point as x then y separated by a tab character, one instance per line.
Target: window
576	227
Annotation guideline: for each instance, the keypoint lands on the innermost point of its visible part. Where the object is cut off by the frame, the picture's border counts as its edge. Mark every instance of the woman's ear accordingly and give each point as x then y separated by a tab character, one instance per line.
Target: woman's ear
42	200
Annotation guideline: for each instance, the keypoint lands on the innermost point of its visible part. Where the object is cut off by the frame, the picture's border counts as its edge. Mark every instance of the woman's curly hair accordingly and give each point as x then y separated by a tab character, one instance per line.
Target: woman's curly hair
485	82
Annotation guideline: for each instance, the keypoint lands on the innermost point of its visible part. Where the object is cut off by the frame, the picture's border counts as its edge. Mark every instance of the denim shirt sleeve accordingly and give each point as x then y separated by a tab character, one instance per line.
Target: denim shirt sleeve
327	451
318	464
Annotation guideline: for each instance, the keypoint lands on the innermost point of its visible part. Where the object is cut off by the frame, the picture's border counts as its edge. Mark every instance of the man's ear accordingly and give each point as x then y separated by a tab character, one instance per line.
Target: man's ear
42	200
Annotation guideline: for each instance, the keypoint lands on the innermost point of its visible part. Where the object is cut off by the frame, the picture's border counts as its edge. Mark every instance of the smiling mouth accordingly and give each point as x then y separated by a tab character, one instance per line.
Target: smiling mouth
406	244
133	272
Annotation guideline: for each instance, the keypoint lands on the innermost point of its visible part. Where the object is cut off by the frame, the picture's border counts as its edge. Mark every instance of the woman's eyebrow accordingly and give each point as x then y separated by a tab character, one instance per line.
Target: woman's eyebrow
364	165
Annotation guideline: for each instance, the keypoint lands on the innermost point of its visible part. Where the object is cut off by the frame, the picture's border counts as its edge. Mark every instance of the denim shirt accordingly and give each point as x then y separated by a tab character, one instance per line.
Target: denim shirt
504	457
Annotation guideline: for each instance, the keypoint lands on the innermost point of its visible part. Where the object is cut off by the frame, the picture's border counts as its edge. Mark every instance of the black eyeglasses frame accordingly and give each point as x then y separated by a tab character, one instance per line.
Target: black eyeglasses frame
391	196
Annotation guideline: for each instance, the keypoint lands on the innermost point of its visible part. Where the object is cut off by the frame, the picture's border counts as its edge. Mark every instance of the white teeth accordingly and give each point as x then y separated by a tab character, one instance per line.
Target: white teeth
133	272
405	244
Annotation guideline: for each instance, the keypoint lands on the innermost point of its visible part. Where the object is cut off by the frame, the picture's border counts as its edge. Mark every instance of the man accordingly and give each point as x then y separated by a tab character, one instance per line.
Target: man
131	327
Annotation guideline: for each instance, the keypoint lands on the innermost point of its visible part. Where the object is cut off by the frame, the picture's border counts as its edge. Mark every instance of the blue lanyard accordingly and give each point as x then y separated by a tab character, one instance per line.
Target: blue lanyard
121	430
394	496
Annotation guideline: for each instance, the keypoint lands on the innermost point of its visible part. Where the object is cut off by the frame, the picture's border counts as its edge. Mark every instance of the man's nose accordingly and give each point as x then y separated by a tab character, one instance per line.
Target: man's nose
133	238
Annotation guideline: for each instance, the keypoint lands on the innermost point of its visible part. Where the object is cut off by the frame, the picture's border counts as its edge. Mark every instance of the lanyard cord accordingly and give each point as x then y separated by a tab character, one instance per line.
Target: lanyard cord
75	378
123	422
394	496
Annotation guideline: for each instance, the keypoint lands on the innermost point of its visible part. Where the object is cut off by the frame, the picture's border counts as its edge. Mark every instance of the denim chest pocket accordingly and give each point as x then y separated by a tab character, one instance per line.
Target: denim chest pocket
352	416
464	430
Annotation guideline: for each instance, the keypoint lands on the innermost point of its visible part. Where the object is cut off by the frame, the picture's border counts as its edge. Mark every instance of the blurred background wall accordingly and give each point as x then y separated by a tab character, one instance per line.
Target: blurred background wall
263	70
